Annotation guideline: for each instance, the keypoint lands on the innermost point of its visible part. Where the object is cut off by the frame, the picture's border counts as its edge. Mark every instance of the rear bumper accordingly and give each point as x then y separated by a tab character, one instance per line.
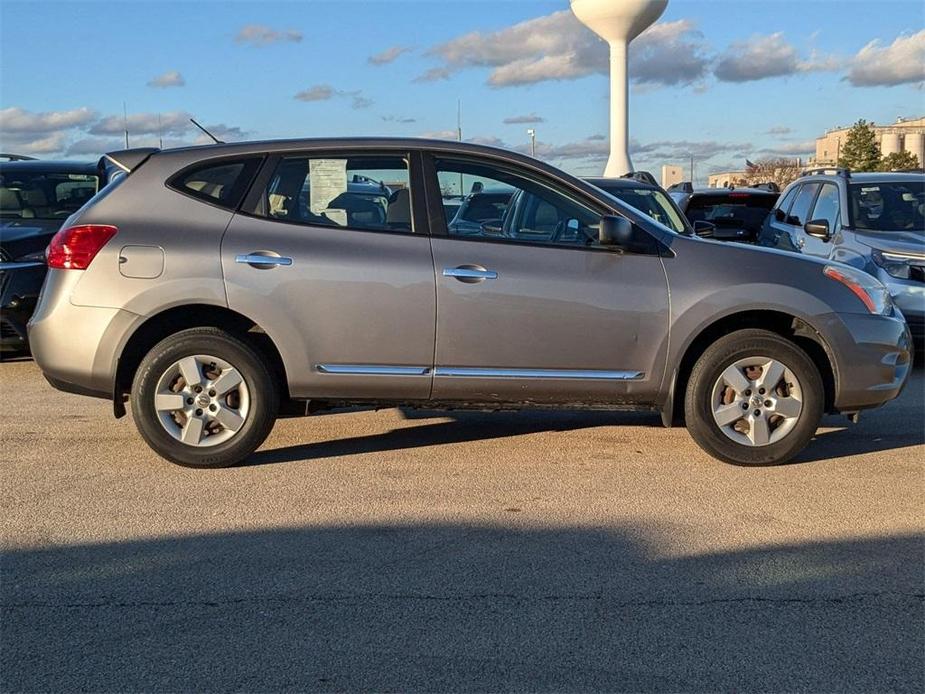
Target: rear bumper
76	347
872	356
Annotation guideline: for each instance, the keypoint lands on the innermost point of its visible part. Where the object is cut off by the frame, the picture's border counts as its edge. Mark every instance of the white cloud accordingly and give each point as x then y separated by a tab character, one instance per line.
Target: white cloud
169	123
388	55
558	47
902	62
325	92
320	92
95	146
524	120
26	143
261	35
399	119
762	57
438	134
779	130
19	120
171	78
434	74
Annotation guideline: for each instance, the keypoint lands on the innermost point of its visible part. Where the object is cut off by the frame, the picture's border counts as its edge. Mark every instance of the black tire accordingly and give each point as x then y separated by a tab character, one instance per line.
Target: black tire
262	387
725	352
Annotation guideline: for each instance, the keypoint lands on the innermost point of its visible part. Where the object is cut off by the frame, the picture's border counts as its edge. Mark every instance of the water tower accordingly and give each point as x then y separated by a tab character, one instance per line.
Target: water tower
618	22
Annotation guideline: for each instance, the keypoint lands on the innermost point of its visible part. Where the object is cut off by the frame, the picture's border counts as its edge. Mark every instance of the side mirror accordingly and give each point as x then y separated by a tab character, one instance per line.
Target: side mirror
615	231
704	228
819	228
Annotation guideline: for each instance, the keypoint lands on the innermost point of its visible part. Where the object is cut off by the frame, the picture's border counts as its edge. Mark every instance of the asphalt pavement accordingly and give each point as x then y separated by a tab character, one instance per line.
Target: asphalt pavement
413	551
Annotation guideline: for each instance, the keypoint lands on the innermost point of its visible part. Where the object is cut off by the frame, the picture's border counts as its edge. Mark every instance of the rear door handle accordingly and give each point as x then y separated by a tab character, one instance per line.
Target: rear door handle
470	274
262	260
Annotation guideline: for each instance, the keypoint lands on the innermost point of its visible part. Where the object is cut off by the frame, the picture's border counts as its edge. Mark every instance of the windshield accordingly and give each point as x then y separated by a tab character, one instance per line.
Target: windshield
898	206
37	195
651	202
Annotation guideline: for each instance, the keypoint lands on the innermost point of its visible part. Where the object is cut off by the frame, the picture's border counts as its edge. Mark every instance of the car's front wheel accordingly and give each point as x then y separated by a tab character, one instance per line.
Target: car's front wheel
204	398
754	398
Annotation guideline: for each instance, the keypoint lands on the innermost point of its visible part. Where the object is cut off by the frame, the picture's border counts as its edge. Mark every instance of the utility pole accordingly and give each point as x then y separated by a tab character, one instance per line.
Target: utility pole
532	133
692	169
459	137
160	133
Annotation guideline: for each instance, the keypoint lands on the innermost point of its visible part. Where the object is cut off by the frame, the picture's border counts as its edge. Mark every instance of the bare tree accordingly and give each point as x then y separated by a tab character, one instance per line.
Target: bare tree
779	170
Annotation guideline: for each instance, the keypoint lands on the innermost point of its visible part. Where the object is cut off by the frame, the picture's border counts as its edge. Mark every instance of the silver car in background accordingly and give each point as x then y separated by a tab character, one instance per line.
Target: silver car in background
218	287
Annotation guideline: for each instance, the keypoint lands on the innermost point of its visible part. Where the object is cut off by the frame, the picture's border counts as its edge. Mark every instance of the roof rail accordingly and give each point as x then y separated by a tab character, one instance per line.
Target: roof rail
769	186
15	157
641	176
827	171
682	187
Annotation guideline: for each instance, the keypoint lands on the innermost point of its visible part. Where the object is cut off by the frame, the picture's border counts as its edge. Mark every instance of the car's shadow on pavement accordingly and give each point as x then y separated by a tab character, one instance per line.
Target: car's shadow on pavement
462	607
878	430
454	427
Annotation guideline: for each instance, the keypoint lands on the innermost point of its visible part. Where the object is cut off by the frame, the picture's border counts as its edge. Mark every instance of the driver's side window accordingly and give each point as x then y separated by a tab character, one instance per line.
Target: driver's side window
490	201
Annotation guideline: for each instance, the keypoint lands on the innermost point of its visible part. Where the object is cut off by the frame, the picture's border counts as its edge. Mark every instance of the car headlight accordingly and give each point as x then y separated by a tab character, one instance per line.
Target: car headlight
898	265
875	297
34	256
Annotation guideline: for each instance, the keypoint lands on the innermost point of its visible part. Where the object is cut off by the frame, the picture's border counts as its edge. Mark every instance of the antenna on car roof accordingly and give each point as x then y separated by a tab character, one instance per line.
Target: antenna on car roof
217	141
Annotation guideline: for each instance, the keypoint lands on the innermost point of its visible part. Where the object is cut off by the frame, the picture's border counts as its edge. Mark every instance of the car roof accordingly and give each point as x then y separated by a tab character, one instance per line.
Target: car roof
46	166
602	181
866	177
729	191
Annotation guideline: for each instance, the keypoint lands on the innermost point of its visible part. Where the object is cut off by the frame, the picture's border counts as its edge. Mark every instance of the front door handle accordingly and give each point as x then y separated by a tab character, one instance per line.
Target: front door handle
262	260
470	274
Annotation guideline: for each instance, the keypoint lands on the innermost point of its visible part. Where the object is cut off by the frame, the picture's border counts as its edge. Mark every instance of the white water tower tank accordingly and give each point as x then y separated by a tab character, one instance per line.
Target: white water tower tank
915	143
618	22
889	144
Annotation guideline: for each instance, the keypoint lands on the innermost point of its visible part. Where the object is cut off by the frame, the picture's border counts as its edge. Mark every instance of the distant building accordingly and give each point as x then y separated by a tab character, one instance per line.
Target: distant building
725	179
904	134
671	174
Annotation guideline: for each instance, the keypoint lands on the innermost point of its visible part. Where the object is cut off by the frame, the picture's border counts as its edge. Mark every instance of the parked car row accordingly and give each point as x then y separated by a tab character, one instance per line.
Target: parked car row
35	198
218	287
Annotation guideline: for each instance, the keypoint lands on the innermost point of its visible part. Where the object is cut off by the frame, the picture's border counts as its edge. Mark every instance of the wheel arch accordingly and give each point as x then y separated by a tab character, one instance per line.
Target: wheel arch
796	329
172	320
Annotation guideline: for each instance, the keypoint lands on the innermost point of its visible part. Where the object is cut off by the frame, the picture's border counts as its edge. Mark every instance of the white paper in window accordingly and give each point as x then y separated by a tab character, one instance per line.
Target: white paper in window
328	180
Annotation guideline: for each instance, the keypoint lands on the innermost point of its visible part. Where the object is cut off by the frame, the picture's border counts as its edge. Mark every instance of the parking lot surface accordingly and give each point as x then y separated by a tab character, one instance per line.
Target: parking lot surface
409	551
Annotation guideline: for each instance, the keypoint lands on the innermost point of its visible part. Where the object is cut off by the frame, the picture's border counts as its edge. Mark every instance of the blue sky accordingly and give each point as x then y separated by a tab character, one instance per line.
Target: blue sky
723	80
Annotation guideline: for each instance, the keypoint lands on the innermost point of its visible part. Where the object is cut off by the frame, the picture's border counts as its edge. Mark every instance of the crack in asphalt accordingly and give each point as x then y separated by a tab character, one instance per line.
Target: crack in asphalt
360	597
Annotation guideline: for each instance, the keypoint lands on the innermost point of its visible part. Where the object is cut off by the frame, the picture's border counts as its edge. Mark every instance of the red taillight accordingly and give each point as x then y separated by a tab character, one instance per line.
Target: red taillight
74	248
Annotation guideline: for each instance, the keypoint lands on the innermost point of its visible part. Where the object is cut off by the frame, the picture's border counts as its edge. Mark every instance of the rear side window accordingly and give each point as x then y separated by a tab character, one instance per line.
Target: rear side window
800	210
369	192
787	200
220	183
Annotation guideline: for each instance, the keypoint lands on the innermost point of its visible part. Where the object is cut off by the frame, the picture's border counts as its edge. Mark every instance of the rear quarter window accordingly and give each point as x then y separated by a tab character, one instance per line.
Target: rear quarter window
220	183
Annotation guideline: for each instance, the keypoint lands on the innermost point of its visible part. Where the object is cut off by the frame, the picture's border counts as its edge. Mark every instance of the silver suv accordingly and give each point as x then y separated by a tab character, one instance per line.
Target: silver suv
219	287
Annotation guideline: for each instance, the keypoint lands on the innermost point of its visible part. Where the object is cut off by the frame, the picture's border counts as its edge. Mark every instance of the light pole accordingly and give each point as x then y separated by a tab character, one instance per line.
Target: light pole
532	133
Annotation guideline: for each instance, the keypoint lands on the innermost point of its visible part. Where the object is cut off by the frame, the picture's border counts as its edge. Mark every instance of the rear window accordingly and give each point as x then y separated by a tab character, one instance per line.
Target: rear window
43	195
220	183
739	210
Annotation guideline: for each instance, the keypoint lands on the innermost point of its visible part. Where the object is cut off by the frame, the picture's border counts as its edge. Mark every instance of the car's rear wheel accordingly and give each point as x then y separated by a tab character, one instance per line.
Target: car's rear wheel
204	398
754	398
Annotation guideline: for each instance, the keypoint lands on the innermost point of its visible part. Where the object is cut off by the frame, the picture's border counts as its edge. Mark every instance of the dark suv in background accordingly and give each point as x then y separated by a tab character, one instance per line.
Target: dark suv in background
35	198
726	214
872	221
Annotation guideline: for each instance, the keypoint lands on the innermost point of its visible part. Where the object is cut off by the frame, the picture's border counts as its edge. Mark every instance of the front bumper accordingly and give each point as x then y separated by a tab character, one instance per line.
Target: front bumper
872	356
20	285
